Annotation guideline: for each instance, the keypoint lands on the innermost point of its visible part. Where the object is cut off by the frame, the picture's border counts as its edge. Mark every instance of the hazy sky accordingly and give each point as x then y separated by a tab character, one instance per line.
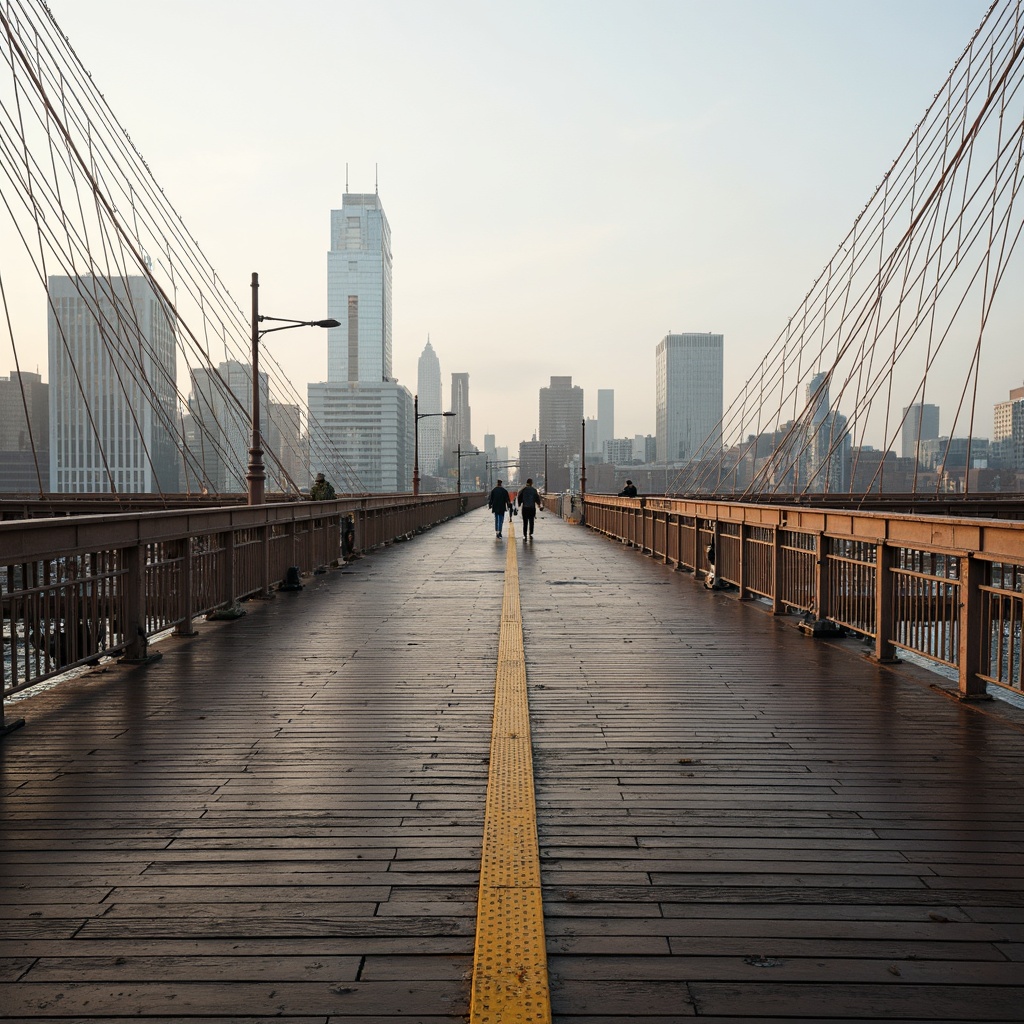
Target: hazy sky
566	181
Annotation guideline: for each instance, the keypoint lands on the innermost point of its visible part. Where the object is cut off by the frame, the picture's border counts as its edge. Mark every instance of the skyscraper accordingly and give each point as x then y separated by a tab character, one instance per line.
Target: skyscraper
605	416
113	399
825	459
428	388
920	423
689	396
460	424
1008	432
561	415
24	433
365	415
359	292
221	428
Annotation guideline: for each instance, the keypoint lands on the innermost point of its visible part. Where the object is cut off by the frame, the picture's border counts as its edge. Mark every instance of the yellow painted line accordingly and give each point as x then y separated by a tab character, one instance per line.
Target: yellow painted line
510	965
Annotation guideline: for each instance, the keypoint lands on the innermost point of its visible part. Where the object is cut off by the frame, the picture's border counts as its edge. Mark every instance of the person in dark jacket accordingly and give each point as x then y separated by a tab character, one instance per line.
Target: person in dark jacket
629	491
528	499
322	489
499	503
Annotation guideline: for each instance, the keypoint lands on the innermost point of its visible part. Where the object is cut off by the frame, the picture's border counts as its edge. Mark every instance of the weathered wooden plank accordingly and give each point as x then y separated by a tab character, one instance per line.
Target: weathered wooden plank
728	812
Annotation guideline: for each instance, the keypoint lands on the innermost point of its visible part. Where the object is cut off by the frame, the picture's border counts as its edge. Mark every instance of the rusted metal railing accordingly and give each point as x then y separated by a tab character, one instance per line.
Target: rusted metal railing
949	589
78	588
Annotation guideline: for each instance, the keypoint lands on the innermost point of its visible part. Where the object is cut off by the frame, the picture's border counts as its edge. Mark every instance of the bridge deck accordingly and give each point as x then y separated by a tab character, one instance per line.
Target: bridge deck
282	818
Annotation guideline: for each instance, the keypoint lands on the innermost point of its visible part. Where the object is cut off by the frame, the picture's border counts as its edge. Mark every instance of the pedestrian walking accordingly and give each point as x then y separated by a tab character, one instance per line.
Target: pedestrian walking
499	503
528	499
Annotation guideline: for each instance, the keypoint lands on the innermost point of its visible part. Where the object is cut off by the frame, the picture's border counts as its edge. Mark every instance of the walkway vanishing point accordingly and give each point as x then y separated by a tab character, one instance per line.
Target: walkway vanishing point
284	817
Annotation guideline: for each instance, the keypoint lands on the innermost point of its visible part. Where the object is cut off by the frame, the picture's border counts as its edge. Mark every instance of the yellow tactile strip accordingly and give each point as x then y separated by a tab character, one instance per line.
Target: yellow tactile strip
510	972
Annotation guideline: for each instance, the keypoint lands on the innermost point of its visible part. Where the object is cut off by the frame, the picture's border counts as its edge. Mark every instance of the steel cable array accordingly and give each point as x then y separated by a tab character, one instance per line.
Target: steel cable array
81	202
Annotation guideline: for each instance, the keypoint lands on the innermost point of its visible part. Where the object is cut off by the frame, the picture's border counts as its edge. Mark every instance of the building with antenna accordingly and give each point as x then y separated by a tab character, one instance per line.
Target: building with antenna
366	415
113	398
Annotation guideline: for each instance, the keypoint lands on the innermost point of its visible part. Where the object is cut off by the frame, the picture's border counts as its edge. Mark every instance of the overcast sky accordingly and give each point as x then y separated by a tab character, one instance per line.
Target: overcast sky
566	181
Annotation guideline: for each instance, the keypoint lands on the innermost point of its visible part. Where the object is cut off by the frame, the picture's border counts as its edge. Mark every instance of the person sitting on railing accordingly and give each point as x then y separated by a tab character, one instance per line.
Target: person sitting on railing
322	489
629	491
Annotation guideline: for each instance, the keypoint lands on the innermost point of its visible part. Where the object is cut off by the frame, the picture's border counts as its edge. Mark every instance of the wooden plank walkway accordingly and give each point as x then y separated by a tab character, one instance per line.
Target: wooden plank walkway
282	818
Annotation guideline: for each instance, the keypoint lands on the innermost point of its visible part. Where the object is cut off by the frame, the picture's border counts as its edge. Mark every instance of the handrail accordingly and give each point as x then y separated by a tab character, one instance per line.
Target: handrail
949	589
77	588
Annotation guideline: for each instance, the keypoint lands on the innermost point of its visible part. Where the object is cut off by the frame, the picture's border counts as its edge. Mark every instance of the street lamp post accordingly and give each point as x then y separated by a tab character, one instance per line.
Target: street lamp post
583	459
417	416
460	455
256	474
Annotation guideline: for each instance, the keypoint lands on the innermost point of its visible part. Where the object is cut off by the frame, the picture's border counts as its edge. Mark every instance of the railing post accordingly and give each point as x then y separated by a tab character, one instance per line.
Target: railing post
821	595
266	591
885	590
778	608
136	649
743	562
184	628
973	634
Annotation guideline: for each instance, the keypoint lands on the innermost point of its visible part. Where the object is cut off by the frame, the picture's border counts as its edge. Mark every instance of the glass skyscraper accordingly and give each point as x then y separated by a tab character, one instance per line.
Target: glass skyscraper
364	413
113	398
689	396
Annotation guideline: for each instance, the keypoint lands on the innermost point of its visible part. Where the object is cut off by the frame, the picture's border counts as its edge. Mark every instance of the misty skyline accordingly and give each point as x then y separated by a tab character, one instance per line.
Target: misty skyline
561	196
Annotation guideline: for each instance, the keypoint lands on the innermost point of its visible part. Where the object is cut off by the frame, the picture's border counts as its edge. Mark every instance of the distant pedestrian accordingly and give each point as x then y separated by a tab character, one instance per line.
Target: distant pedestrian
629	491
499	503
529	499
322	489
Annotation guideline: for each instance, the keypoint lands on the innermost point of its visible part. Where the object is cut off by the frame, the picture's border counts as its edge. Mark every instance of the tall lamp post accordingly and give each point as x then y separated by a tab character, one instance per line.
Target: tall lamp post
460	455
416	439
583	459
256	474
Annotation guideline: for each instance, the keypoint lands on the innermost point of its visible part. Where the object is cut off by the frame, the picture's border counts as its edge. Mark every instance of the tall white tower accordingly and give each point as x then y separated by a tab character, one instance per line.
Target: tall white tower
366	415
359	292
428	388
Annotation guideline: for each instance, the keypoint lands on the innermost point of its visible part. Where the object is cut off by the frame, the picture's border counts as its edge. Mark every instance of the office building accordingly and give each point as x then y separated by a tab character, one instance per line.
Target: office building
113	398
24	433
219	434
459	426
920	423
428	390
369	444
364	417
287	453
605	416
689	376
561	416
1008	432
825	458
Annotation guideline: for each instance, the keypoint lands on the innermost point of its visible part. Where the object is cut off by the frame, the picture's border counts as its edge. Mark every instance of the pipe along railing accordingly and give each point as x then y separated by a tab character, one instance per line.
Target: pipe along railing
950	590
75	589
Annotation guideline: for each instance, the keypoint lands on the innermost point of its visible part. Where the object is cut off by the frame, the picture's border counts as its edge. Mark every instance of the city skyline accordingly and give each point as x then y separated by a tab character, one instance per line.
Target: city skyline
559	276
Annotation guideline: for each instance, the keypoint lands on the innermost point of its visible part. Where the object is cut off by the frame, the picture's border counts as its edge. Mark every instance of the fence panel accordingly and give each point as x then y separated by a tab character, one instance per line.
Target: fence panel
1002	616
926	604
759	561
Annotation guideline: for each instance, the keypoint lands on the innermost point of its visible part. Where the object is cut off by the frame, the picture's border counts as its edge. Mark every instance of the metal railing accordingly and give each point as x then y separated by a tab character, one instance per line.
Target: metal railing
948	589
75	589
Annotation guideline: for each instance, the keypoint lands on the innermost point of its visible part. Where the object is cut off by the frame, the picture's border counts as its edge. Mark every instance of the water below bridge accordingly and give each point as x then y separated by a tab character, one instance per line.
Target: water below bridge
284	818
